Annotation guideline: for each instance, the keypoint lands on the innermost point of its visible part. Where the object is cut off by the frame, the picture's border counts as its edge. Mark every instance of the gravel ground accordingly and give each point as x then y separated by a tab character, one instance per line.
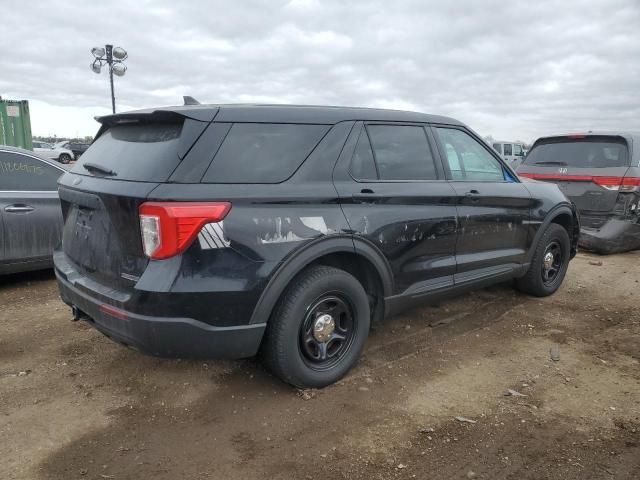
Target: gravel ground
73	404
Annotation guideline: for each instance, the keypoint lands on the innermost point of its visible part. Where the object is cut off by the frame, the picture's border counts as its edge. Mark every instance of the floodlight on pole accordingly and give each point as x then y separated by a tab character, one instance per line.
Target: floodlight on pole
113	58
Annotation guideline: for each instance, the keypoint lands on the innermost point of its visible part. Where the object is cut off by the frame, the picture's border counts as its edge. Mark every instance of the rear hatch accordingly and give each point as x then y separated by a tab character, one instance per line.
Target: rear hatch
589	169
100	196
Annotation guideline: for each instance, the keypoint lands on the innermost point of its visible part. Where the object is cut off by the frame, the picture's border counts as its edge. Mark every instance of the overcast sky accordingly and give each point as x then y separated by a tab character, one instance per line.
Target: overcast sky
510	69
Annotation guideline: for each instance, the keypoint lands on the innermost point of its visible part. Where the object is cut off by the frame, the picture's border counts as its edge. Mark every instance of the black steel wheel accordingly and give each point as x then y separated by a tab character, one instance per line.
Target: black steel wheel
552	261
549	263
319	328
327	331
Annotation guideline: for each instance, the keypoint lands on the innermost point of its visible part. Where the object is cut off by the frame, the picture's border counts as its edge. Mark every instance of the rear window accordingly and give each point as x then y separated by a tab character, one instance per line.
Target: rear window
137	151
263	152
589	152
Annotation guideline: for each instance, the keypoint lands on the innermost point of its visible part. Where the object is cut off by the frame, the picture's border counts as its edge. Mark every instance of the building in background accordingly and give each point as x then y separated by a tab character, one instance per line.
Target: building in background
15	124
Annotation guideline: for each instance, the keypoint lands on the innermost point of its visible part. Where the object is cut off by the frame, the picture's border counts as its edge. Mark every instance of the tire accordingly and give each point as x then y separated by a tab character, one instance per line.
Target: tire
554	240
291	350
64	158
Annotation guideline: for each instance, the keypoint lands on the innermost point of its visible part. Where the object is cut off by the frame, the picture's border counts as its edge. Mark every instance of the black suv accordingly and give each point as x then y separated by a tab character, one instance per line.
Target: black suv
222	231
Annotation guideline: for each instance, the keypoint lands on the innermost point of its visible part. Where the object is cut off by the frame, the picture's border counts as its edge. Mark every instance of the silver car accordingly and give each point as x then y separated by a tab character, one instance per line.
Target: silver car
30	213
600	173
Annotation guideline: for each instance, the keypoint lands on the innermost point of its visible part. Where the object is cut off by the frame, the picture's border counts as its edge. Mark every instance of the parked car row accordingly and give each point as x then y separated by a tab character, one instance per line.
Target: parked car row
63	152
227	231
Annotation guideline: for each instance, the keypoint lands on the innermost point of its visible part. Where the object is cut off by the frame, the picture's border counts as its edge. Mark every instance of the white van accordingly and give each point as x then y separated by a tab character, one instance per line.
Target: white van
511	152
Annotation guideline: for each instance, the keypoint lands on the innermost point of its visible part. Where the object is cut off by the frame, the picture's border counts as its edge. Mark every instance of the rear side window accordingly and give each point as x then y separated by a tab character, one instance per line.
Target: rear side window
263	152
402	152
20	173
498	148
507	149
589	152
468	160
145	152
363	165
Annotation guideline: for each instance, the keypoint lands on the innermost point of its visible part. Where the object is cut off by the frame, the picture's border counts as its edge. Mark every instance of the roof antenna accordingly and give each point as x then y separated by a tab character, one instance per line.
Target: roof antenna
190	100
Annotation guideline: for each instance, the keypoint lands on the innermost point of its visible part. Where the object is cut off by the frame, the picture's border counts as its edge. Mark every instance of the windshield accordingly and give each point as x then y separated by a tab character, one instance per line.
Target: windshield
588	152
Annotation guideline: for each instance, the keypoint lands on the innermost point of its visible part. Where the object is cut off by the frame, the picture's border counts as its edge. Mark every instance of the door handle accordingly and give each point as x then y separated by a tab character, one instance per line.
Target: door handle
472	193
365	196
19	209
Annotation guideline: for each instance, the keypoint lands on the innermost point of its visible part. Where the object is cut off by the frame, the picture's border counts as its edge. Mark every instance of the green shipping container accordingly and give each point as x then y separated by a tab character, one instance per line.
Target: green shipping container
15	124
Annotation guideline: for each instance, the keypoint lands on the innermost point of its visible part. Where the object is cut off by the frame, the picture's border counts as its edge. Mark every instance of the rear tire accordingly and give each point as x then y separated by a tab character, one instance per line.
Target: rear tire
549	263
320	305
64	158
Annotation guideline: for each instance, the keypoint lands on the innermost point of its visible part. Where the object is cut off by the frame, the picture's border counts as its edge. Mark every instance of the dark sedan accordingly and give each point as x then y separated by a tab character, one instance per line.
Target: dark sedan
30	215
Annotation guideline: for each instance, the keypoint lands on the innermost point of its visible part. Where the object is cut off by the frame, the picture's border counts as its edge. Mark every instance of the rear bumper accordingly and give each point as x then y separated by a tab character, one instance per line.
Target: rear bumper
163	336
615	236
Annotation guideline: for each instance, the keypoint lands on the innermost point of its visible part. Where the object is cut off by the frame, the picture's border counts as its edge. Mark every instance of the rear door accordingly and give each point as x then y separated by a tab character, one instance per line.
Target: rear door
587	168
29	207
493	208
393	192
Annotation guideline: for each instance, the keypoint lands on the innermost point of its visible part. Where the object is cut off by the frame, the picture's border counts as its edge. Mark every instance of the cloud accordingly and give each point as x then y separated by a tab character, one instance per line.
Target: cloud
510	69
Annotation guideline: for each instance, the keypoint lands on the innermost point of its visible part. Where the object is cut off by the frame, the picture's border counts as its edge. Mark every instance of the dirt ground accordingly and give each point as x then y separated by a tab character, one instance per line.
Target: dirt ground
74	405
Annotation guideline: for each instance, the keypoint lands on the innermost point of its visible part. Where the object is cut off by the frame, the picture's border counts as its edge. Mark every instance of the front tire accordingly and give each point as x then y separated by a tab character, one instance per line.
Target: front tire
319	328
64	158
549	263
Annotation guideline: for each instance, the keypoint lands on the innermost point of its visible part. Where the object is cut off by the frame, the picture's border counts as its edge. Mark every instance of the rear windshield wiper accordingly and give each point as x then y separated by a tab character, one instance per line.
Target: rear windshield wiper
93	167
550	163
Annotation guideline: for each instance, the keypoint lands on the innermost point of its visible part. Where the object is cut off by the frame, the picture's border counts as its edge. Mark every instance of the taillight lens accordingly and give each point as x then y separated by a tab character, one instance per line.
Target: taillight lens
621	184
168	228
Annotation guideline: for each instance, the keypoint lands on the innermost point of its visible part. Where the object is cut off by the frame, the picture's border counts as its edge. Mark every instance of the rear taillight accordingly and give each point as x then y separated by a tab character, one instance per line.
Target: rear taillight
621	184
168	228
630	184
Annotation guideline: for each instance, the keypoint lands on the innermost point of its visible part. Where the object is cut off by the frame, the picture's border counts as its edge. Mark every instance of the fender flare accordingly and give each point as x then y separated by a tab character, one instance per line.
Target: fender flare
552	215
313	250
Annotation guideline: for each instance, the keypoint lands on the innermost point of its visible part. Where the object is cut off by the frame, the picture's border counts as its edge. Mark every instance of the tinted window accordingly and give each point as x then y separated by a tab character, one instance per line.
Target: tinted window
138	151
363	166
262	152
591	152
22	173
402	153
507	149
498	148
467	158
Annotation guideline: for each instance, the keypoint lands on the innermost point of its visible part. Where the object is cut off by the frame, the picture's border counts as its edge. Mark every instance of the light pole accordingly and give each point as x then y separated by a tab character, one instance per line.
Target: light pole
114	58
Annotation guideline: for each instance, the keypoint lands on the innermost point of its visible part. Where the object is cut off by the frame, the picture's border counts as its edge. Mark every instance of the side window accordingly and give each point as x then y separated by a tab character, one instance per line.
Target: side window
22	173
517	150
498	148
402	152
263	152
363	166
507	149
472	162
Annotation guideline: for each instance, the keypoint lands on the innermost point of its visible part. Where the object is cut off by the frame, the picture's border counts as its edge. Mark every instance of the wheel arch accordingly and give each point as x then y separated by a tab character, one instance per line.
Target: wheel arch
564	215
355	255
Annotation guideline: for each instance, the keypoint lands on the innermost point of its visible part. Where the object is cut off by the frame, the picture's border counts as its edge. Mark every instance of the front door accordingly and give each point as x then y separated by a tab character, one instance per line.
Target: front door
493	207
393	192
